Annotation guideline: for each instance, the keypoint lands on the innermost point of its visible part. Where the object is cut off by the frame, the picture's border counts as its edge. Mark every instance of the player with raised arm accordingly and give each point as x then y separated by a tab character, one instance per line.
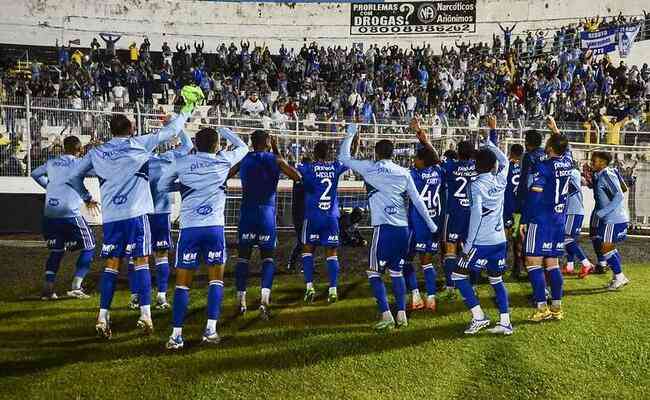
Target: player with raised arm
543	222
202	183
320	180
511	216
260	172
612	214
573	227
429	182
386	183
486	245
458	174
122	166
64	228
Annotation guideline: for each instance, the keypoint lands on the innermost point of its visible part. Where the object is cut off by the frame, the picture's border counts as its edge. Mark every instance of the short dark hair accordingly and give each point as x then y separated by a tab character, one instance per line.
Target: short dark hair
465	150
558	143
485	160
71	144
450	154
516	150
384	149
259	138
322	150
428	156
120	125
207	140
533	138
603	155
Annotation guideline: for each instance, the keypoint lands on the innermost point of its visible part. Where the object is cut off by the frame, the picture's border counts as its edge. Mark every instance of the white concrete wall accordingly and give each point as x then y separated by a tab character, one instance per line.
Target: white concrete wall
43	21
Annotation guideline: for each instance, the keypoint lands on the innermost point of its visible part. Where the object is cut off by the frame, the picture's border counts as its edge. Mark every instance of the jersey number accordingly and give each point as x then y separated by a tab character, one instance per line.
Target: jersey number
460	192
432	201
326	194
565	189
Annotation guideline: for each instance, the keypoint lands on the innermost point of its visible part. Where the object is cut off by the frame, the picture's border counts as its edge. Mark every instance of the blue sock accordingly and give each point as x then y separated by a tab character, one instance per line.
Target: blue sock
500	293
52	265
268	270
181	300
430	279
555	282
133	282
538	282
162	274
308	267
378	290
143	279
574	250
109	278
461	282
215	297
409	276
241	275
449	265
474	277
333	270
614	261
83	263
399	289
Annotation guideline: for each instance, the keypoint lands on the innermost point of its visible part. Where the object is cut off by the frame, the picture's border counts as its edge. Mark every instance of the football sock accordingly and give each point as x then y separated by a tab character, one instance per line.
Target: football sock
430	279
176	332
409	276
474	277
211	325
133	283
162	274
52	264
555	282
538	283
614	261
143	279
379	291
181	300
308	267
241	275
265	296
574	250
462	283
333	271
82	267
477	312
399	289
109	278
500	293
268	270
449	265
215	297
504	319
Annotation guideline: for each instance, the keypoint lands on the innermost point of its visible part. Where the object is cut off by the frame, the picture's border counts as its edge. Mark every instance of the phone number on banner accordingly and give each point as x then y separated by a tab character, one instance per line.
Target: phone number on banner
411	29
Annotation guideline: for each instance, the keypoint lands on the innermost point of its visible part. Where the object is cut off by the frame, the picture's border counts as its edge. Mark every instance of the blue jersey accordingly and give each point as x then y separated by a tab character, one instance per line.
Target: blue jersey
429	182
575	204
512	186
260	173
61	200
547	198
122	166
458	175
608	194
320	182
201	181
528	164
158	165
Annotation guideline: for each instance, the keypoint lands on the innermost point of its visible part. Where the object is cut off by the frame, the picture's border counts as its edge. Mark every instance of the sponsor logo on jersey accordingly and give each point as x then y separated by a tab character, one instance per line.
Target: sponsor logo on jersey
162	243
333	238
53	202
204	210
71	244
51	243
481	262
547	246
390	210
214	255
314	236
107	248
324	205
248	236
189	257
119	199
464	202
559	208
130	247
265	238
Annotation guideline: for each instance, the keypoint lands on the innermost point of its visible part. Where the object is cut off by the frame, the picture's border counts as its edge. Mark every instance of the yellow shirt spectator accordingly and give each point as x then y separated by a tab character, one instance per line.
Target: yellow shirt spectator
613	135
77	56
135	53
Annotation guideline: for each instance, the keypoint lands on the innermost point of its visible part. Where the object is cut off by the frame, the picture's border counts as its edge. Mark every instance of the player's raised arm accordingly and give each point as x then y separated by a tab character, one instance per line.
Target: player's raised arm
414	195
186	144
360	166
284	166
241	148
40	176
502	159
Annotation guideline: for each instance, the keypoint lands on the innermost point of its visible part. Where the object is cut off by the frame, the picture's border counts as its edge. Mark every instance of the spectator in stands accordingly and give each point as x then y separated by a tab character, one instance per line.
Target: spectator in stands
252	105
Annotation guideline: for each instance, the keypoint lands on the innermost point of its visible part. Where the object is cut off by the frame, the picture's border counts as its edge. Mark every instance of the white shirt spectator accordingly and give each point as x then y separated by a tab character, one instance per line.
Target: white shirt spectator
411	102
309	122
119	95
253	106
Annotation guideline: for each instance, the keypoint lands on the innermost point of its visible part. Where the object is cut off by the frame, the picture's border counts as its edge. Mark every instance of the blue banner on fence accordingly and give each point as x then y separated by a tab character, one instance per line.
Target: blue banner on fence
626	36
600	42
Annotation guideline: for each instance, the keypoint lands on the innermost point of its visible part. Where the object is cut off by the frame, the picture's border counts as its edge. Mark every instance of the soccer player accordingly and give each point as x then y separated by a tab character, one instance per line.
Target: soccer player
64	228
612	214
543	222
458	174
573	227
201	182
321	226
121	165
386	183
259	171
486	245
511	216
429	182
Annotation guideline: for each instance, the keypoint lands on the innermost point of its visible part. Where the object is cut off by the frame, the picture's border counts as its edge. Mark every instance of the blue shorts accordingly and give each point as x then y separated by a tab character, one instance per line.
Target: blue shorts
612	233
257	227
489	257
573	225
456	226
127	238
544	240
161	231
68	234
321	232
206	243
389	248
422	241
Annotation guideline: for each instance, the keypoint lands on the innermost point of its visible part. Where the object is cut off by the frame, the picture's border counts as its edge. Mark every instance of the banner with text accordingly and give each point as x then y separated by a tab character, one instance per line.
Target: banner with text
413	17
600	42
626	36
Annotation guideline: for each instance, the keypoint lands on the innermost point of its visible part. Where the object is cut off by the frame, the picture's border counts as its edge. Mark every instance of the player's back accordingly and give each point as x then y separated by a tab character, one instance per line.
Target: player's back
259	174
529	162
607	185
429	183
386	183
510	199
158	163
575	205
122	166
320	182
552	176
61	201
202	179
458	176
491	188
